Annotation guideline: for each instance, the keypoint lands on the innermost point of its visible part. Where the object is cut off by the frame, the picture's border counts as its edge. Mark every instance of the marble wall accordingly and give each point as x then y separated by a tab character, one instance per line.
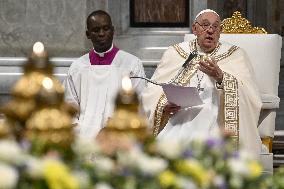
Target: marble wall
159	11
60	24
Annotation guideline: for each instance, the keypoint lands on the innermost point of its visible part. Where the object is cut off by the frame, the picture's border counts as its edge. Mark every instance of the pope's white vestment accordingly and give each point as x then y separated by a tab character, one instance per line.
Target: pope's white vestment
93	89
233	107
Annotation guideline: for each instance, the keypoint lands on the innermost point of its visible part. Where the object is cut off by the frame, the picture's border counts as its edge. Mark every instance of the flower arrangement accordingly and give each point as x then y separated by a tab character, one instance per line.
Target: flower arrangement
206	163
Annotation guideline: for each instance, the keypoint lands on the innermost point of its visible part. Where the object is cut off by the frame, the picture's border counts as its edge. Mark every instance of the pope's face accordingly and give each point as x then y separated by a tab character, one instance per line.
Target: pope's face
207	29
100	31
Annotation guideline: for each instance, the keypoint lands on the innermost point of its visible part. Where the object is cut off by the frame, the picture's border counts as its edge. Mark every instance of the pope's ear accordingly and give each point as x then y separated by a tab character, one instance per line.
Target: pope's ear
194	29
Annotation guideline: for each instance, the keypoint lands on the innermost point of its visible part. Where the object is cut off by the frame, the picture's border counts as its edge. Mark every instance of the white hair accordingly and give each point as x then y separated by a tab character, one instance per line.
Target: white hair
204	11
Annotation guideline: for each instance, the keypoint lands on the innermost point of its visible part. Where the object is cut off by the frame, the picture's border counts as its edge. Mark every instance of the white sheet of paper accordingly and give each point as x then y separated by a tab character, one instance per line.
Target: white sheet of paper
182	96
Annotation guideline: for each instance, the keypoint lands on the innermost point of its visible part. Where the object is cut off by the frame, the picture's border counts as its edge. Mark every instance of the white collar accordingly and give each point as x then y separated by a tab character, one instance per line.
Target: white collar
102	54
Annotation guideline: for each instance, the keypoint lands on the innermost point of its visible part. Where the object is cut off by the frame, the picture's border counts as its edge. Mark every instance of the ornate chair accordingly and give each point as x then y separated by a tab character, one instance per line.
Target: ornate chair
264	51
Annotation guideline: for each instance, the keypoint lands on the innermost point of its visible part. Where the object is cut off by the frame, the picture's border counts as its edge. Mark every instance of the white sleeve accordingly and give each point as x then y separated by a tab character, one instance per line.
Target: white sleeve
138	84
71	95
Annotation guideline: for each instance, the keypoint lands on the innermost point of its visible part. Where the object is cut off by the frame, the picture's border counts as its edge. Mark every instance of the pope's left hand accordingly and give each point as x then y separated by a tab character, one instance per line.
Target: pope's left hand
210	67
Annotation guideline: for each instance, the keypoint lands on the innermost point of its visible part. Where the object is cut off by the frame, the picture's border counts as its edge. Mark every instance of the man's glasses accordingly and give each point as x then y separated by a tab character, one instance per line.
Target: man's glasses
206	26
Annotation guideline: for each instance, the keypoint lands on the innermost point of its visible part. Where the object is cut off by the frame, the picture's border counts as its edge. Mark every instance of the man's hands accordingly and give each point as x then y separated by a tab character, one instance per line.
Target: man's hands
209	66
171	109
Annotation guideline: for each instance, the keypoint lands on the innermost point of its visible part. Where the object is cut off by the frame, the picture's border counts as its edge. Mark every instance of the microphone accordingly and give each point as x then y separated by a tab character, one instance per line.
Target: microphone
191	56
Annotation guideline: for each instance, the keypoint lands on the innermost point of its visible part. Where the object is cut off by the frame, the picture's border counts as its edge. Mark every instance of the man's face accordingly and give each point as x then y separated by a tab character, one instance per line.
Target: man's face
207	29
100	31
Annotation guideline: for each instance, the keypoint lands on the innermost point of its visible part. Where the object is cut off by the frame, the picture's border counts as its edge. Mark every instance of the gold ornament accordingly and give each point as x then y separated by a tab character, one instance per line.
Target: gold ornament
126	123
19	108
23	93
4	129
238	24
37	111
49	123
50	126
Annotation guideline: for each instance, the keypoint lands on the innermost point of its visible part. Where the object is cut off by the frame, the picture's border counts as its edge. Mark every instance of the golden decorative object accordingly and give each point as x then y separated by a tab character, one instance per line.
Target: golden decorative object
4	129
19	108
268	141
50	125
238	24
69	108
126	122
49	122
30	84
126	117
37	111
23	93
39	61
50	93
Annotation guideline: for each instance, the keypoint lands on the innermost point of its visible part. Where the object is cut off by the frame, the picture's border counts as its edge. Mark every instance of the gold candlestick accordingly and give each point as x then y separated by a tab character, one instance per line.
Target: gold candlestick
126	123
4	130
37	111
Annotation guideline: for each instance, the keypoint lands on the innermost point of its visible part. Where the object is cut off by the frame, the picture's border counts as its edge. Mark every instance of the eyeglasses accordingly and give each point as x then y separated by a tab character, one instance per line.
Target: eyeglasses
206	26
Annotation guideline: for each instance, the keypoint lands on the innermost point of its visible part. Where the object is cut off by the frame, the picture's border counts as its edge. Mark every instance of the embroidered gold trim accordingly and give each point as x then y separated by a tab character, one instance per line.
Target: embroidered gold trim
192	45
226	54
180	51
231	107
159	113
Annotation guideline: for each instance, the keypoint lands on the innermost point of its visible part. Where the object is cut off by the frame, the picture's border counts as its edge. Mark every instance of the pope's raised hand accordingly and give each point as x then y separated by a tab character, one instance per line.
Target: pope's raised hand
210	67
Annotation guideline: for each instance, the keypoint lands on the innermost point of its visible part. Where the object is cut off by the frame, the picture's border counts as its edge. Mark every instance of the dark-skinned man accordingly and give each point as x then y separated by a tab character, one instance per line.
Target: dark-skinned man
94	79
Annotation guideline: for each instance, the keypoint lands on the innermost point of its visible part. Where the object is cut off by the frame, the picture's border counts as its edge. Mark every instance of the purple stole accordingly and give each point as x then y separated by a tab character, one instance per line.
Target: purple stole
95	59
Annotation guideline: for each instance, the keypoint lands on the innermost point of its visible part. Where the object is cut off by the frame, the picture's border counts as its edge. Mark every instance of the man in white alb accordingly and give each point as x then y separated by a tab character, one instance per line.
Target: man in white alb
226	86
94	79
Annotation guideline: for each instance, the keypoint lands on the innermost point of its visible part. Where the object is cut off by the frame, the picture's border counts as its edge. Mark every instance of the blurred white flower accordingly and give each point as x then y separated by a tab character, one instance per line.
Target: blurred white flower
34	167
83	178
83	147
135	158
246	155
10	152
236	181
104	164
152	166
239	167
9	177
131	157
186	183
219	181
102	185
169	148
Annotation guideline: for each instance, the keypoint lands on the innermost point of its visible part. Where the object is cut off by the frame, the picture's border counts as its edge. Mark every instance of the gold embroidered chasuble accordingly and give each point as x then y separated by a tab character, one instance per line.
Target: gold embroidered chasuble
227	57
